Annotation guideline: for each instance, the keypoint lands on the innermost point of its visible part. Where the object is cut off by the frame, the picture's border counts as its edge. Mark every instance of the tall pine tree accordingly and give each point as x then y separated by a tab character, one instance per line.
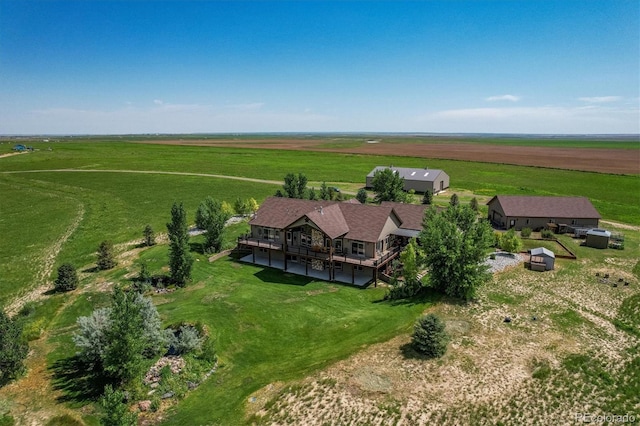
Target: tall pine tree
180	260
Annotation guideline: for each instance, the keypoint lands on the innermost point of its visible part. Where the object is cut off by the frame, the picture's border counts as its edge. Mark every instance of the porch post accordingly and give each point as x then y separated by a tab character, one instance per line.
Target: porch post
375	277
253	253
353	275
332	272
284	246
306	266
269	256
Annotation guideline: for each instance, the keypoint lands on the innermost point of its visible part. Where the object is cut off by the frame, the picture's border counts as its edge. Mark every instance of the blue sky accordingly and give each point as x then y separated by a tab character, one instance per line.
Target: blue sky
112	67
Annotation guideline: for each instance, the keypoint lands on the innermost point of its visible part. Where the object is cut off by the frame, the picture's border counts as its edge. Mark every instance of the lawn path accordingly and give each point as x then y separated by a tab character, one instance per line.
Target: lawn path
157	172
49	260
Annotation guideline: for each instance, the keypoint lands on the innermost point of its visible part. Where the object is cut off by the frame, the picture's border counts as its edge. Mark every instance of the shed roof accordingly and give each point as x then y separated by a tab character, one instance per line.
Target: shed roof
546	207
425	175
541	251
599	232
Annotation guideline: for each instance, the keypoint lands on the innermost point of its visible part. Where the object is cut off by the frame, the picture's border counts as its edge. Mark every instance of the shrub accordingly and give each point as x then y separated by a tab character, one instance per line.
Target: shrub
429	337
67	278
510	242
208	351
116	411
525	233
361	196
547	233
185	339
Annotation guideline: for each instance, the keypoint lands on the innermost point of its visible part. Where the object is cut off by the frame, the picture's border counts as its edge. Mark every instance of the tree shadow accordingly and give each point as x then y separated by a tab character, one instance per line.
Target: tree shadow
426	295
78	381
408	352
197	247
276	276
91	270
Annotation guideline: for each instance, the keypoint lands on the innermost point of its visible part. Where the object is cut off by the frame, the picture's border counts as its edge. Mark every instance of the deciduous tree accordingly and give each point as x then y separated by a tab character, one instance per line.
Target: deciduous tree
510	242
388	186
13	349
455	245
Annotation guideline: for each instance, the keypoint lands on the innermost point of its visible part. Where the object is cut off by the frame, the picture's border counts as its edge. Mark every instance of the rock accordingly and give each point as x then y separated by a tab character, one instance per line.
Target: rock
154	385
144	405
192	385
167	395
507	319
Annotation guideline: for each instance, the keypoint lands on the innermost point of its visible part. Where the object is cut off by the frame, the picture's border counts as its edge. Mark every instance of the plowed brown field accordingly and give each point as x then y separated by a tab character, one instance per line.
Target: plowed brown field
618	161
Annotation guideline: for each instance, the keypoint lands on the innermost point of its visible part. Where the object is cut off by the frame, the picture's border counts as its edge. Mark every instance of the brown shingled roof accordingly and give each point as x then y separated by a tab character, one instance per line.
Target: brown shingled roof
358	221
551	207
278	212
411	215
365	221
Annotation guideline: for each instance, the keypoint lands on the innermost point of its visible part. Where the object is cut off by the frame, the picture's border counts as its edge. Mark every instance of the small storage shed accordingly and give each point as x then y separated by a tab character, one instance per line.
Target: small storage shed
598	238
542	259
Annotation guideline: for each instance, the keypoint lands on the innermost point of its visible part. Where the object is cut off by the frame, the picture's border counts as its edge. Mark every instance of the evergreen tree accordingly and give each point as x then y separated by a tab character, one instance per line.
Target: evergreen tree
429	336
474	204
427	198
388	186
294	186
324	192
13	349
361	196
454	201
106	257
149	237
312	194
67	278
125	338
180	260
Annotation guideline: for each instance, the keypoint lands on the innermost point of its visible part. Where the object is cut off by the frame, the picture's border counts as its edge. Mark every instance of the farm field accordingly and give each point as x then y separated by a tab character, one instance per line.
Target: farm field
288	347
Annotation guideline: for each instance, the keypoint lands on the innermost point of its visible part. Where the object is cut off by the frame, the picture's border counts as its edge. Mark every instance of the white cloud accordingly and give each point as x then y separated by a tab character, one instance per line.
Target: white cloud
600	99
510	98
543	119
158	102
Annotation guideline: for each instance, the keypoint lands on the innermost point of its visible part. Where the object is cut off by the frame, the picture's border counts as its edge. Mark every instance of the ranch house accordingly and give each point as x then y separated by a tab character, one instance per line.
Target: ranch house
335	241
420	180
535	212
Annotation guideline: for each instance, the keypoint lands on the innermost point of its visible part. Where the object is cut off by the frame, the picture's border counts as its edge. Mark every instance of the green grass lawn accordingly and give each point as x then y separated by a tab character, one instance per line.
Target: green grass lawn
617	197
38	208
268	327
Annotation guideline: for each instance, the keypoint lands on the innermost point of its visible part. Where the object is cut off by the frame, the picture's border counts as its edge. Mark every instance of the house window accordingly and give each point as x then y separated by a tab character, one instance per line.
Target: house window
357	248
380	246
358	267
292	258
262	250
574	222
527	221
289	236
338	245
305	240
338	266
